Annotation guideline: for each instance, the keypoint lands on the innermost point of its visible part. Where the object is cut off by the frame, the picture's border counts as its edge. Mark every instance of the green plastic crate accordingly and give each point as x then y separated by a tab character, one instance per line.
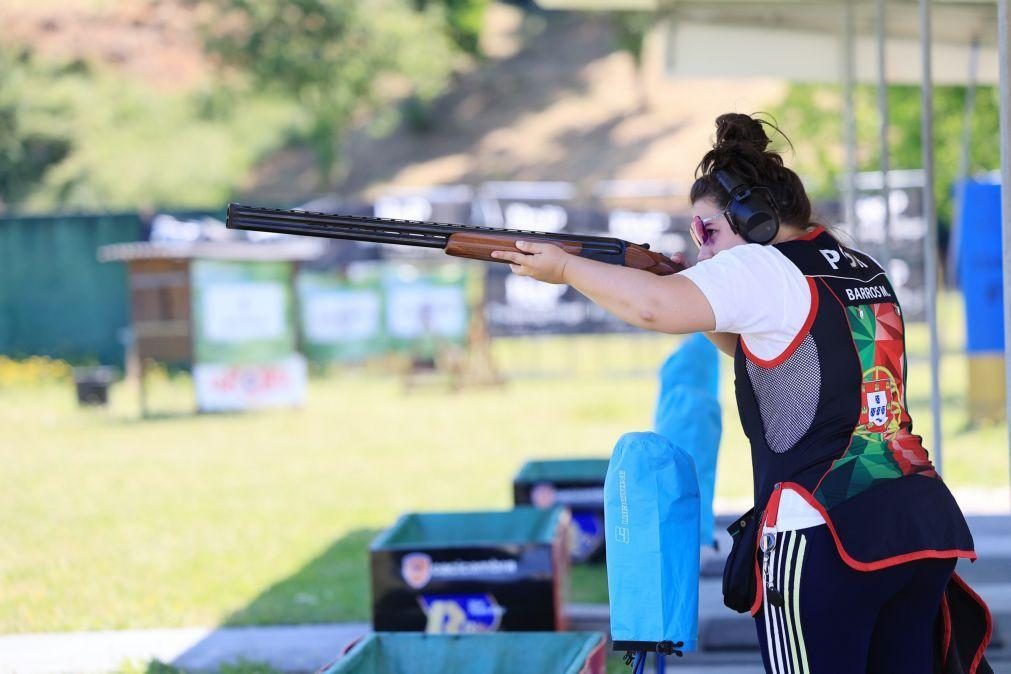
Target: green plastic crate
502	653
563	470
492	527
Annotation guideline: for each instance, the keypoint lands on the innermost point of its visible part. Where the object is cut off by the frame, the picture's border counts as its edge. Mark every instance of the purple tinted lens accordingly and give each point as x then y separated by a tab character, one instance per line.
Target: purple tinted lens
698	231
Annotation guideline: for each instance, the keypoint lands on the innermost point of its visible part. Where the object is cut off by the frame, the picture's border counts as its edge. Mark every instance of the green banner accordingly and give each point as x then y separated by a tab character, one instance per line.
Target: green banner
425	308
341	317
242	311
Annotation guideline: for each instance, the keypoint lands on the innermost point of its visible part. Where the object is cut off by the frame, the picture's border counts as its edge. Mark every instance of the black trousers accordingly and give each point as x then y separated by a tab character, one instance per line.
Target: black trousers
835	620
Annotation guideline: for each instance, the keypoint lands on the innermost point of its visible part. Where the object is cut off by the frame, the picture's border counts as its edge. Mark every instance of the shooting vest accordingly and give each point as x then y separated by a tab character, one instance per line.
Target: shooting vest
828	417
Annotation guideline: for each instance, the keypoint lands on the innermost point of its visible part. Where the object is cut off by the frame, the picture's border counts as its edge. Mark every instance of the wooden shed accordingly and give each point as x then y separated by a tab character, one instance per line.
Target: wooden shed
163	291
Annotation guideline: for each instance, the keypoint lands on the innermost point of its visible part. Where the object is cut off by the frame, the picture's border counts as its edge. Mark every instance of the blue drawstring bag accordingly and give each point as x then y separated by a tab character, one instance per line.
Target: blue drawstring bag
651	520
688	414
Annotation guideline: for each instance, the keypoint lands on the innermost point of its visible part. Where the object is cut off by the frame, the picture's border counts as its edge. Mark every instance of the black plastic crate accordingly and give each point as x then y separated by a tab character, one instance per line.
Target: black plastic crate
472	572
577	484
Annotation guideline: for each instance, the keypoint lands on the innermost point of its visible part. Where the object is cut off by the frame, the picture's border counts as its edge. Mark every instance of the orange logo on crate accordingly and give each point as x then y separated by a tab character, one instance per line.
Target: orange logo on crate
416	569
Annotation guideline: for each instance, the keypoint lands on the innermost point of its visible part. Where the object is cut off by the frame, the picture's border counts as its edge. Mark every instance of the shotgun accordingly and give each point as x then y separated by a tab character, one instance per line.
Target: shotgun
470	241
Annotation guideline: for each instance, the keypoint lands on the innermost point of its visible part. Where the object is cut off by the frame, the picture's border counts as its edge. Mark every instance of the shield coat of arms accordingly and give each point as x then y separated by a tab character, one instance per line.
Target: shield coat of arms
877	405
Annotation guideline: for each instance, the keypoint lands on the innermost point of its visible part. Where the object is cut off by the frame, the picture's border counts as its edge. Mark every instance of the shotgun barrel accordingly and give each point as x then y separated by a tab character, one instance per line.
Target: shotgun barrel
469	241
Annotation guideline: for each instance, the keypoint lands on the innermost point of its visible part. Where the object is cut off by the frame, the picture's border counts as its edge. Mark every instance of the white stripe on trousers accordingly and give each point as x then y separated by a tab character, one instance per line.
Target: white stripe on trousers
777	613
784	633
791	620
801	647
772	616
770	652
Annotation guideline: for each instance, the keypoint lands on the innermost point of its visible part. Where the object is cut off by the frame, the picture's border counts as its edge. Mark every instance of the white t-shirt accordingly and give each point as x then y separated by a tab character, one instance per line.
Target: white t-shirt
757	293
794	513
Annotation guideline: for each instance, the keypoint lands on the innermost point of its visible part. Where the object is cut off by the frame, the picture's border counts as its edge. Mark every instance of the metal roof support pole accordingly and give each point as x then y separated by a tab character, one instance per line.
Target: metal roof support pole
849	123
1004	30
882	30
964	165
930	235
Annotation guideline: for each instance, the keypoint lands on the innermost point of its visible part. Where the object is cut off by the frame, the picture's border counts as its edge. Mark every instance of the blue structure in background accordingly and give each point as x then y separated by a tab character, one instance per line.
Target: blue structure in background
651	511
688	414
979	266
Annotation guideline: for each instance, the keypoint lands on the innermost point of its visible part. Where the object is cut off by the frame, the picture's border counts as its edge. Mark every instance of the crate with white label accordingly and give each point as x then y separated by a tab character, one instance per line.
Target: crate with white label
467	572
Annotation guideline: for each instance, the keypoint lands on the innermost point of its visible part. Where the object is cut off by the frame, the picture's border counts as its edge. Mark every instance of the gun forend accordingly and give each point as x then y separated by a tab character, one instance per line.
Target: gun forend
480	247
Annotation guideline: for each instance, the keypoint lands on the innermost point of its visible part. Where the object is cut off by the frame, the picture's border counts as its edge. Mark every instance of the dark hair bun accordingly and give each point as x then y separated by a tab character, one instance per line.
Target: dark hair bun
741	147
734	130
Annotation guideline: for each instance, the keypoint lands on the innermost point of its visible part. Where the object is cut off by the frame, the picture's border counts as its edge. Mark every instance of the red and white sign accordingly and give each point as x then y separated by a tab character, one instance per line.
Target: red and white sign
222	387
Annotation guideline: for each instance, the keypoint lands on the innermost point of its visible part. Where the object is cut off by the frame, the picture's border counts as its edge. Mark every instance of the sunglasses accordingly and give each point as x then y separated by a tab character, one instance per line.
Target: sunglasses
698	229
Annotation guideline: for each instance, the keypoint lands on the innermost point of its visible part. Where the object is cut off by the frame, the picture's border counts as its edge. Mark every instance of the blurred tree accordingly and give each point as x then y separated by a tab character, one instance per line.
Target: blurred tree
813	113
630	30
82	137
337	59
464	19
34	135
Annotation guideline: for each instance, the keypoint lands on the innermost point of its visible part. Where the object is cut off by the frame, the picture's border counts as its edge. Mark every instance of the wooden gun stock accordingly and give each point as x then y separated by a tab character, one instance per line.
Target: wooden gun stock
643	258
480	247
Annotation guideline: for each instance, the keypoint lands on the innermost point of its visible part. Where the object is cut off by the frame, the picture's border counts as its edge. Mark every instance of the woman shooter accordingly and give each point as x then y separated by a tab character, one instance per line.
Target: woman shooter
854	536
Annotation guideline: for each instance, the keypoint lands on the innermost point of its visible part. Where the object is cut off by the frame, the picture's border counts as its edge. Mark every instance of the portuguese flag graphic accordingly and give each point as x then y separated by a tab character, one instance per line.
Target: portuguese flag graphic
883	446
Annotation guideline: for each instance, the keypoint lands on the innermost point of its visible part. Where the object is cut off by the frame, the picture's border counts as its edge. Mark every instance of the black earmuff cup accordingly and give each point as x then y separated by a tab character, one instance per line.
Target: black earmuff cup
752	210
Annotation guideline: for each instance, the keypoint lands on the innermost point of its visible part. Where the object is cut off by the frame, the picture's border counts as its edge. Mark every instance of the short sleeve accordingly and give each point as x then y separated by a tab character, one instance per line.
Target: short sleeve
757	292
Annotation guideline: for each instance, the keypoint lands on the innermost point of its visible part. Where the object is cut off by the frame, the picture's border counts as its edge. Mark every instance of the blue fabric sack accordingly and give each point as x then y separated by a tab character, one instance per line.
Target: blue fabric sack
688	414
651	519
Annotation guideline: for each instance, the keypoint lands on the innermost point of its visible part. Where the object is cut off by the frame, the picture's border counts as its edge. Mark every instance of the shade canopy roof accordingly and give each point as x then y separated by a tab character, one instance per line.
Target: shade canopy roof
801	40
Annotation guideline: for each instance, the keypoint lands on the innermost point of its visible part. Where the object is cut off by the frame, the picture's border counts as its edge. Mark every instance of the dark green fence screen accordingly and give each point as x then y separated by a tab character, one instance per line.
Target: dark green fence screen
56	298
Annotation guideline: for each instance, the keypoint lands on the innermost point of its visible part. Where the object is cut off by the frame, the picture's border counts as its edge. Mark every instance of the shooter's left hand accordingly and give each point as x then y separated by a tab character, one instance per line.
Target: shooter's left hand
543	261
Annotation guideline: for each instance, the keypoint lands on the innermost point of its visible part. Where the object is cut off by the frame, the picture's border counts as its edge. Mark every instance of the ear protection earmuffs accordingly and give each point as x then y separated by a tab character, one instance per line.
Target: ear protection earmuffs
751	211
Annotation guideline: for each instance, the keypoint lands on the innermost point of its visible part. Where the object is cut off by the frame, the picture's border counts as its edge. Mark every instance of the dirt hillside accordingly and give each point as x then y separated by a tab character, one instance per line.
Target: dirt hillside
151	40
563	105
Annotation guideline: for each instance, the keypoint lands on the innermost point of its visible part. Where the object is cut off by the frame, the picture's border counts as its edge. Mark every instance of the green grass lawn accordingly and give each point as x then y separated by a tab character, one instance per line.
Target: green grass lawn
113	522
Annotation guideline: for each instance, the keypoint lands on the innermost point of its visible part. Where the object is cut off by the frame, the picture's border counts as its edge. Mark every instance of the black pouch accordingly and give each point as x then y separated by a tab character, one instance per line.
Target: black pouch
739	573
